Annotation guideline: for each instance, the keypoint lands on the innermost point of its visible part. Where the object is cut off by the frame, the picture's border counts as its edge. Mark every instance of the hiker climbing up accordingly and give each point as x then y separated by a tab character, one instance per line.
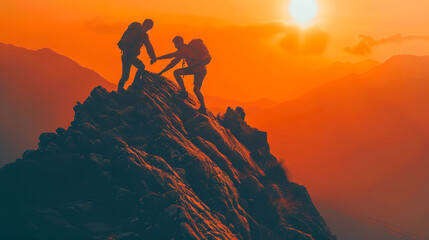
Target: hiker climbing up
197	56
131	42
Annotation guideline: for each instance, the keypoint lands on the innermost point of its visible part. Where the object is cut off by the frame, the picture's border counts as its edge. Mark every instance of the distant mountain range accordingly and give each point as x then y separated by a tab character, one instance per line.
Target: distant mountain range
313	80
362	141
333	72
38	90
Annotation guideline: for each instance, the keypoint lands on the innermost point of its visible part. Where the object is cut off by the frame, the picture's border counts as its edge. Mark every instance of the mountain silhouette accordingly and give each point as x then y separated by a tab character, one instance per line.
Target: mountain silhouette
145	164
342	69
38	90
332	72
366	138
312	80
338	70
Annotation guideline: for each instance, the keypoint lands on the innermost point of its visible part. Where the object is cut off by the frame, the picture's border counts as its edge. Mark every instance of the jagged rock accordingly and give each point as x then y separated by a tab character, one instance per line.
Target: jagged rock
145	164
250	137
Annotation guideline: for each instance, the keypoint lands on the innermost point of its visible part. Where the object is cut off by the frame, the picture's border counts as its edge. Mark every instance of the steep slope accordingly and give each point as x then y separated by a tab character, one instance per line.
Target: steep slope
145	165
366	138
37	92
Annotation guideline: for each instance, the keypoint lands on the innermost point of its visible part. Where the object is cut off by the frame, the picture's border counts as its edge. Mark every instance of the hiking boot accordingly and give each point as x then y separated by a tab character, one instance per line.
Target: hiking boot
183	94
202	110
121	90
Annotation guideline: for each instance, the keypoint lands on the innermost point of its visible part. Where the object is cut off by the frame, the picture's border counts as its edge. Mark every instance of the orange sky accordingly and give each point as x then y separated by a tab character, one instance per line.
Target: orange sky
257	51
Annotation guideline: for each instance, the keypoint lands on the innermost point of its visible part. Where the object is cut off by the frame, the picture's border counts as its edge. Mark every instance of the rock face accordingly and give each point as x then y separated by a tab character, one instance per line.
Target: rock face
145	164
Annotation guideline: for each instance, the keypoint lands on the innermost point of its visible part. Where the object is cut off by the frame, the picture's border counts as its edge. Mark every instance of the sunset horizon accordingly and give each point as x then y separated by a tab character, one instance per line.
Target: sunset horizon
264	37
215	109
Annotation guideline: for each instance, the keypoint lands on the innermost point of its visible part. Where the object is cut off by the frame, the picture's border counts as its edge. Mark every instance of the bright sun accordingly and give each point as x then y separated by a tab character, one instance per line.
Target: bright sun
303	11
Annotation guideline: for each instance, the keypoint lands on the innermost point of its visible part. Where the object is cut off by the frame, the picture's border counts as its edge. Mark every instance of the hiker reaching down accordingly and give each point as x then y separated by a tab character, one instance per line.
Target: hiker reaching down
131	42
197	57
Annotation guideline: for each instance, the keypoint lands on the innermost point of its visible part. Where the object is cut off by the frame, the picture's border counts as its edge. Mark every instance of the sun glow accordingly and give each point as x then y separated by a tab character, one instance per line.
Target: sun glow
303	11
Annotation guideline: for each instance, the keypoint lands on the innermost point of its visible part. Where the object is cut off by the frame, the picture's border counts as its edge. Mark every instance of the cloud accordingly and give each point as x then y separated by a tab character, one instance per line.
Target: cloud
309	42
102	26
290	39
365	45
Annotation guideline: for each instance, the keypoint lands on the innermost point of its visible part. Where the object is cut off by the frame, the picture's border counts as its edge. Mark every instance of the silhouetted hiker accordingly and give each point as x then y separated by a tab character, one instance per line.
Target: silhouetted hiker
197	57
132	40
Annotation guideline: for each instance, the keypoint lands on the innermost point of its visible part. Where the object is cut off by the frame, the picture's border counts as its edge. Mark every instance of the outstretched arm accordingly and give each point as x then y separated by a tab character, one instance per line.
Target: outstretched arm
173	63
149	49
167	56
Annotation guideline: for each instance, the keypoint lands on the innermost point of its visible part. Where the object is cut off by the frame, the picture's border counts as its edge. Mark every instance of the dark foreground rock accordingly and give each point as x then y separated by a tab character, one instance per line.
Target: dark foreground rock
146	165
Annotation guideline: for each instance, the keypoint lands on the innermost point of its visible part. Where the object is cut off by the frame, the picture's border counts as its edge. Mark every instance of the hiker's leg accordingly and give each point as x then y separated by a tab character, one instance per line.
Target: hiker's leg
178	76
140	67
198	82
197	91
126	67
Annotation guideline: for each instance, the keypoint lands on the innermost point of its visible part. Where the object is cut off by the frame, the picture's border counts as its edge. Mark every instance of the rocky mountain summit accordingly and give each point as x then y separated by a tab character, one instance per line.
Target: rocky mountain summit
144	164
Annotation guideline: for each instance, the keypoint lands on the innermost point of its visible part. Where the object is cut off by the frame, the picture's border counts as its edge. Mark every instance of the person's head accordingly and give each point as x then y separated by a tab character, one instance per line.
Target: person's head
178	42
147	25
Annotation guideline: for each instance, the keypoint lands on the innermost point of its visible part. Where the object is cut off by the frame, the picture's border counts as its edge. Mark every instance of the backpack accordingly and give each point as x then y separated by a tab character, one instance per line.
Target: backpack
135	26
200	50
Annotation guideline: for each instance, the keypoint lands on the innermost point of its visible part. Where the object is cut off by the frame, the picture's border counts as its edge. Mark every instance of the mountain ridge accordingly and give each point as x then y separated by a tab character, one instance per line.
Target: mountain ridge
38	89
47	51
